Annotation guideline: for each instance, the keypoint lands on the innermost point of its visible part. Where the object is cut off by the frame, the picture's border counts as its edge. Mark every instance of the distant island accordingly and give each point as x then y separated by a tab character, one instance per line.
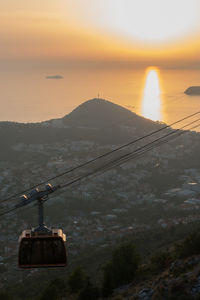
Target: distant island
193	90
54	77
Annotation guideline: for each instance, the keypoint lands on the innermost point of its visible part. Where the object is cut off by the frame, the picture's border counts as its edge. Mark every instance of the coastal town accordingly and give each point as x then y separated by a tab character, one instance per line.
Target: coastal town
125	200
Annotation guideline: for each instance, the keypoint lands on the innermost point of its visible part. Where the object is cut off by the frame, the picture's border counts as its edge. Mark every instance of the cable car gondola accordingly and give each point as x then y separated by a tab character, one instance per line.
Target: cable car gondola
41	247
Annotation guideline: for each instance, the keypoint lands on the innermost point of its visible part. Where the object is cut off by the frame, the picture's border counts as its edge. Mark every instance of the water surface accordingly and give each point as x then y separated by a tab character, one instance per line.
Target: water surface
27	96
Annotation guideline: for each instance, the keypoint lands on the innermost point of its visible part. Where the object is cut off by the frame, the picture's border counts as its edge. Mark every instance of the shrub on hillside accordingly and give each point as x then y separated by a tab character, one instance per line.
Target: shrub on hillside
77	280
121	269
161	260
89	292
54	291
4	295
189	246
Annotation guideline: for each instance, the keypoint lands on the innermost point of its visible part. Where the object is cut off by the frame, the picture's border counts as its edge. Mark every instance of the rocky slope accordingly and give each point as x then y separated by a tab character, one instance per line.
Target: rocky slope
181	280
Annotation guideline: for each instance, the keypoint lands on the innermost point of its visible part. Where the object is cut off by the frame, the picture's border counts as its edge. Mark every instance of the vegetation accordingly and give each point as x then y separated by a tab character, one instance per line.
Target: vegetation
121	269
54	291
89	292
4	295
98	269
161	260
77	280
190	246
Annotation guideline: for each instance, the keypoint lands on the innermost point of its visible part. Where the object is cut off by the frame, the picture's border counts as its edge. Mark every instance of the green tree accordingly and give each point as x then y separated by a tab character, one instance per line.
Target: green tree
4	295
125	261
108	284
77	280
189	246
121	269
89	292
54	291
161	260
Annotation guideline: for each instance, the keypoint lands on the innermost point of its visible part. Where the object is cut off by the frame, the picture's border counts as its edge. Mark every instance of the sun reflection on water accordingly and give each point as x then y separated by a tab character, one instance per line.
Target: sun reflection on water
151	102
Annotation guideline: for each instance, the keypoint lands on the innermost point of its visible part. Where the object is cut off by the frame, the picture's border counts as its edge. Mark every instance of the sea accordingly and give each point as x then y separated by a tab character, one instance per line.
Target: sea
26	95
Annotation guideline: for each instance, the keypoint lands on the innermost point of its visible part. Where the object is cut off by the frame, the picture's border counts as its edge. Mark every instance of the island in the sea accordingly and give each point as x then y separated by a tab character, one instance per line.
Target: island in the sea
54	77
193	90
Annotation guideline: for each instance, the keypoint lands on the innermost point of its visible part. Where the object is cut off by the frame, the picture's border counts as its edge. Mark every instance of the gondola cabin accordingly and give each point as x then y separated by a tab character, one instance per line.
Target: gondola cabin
42	249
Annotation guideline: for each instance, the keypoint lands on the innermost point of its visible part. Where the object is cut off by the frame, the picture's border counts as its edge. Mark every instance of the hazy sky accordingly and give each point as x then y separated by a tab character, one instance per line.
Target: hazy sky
116	39
81	31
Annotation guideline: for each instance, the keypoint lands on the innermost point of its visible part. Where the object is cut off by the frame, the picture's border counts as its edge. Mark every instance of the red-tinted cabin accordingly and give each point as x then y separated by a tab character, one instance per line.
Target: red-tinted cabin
42	249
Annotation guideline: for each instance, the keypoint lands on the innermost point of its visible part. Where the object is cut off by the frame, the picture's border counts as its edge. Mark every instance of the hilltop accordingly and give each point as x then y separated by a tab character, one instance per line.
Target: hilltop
100	113
95	120
103	121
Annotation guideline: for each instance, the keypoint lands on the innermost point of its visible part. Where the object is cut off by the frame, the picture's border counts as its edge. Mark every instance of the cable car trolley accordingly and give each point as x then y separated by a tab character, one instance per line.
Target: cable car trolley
42	246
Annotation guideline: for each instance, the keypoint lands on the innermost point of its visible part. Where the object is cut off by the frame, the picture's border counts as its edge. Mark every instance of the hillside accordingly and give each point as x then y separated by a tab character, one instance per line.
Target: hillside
171	273
96	120
103	122
98	113
164	272
147	201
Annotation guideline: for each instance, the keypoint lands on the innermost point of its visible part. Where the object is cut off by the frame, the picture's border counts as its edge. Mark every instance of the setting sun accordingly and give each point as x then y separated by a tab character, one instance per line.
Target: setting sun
152	21
151	102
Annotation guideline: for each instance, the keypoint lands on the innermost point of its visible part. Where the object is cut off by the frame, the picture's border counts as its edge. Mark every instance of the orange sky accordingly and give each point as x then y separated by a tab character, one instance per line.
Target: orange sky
62	31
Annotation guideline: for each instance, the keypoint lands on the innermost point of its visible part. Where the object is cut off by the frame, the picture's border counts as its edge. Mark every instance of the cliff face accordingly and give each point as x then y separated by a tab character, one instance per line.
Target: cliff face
193	90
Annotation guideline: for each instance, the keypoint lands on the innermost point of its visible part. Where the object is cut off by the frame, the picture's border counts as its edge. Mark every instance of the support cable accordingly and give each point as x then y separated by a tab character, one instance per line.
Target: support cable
99	157
134	154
